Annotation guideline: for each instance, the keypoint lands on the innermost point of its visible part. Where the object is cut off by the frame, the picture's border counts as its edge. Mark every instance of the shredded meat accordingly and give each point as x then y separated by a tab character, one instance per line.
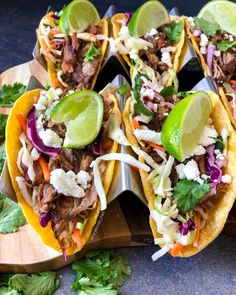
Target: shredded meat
86	160
46	195
59	129
58	162
69	53
201	162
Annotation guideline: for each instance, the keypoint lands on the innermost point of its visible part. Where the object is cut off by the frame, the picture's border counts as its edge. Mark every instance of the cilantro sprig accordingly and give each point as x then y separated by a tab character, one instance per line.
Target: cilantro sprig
208	28
10	93
91	53
174	30
99	273
225	45
188	194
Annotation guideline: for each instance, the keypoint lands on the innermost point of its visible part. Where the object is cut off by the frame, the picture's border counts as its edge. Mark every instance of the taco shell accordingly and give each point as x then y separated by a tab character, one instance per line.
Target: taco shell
13	145
222	204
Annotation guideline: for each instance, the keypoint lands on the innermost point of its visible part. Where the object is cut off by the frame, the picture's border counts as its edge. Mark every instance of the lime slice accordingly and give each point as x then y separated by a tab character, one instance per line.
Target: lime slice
222	12
152	14
184	125
78	15
82	113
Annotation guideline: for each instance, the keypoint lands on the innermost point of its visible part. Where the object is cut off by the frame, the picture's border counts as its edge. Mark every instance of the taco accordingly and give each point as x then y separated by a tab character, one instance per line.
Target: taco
189	199
216	49
73	59
160	49
61	190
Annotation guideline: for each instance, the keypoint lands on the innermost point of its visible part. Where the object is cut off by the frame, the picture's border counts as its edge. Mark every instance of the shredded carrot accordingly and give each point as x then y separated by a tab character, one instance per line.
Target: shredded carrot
177	248
53	46
136	124
54	32
107	144
156	146
198	224
44	166
135	168
22	121
77	237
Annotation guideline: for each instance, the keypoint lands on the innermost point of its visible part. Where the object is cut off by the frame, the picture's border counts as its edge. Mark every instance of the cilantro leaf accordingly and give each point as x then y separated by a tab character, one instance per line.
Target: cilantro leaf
8	291
123	89
225	45
174	30
91	53
121	269
184	94
44	283
208	28
90	287
3	122
98	272
10	93
168	90
188	194
139	106
11	216
219	143
2	156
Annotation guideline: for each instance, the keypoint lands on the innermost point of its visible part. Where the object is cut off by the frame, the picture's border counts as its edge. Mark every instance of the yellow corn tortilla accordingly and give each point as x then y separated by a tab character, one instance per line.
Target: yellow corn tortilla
222	204
117	20
13	145
51	67
207	71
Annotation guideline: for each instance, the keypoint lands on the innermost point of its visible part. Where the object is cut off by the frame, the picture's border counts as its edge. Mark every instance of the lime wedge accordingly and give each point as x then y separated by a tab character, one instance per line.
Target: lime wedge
152	14
82	113
222	12
184	125
78	15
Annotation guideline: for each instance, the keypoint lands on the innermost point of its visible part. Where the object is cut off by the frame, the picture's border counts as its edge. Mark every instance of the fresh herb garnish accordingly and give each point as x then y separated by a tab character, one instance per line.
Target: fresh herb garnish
139	106
225	45
10	93
174	30
3	122
11	216
44	283
2	156
99	273
168	90
184	94
188	194
91	53
208	28
123	89
219	143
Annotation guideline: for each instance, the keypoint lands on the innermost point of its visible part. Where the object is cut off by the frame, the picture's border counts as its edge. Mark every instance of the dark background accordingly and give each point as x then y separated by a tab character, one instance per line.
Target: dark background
19	19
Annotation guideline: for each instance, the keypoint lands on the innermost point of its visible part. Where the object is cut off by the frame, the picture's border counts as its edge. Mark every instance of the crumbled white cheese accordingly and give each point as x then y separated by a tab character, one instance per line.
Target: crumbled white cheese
50	138
204	176
66	183
148	135
231	38
168	49
152	32
191	21
226	178
204	40
199	180
217	53
83	178
220	157
180	170
217	152
224	134
191	170
208	136
198	151
203	50
166	58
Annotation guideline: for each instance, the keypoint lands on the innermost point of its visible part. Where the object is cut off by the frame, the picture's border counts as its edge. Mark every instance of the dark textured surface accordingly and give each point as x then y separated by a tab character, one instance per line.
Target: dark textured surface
213	271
